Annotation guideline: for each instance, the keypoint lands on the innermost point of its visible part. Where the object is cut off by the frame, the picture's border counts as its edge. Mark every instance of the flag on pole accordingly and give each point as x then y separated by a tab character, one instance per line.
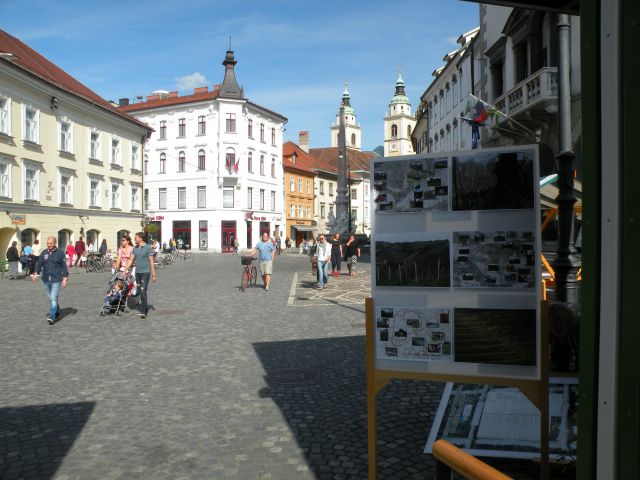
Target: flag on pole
481	113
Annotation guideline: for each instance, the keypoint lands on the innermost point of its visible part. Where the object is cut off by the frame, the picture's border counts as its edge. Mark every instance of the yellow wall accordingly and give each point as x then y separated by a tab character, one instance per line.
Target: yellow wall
297	197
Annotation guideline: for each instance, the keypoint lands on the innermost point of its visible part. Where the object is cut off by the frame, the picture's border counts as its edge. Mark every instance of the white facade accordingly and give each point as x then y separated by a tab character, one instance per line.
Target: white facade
353	133
219	178
398	124
325	187
439	127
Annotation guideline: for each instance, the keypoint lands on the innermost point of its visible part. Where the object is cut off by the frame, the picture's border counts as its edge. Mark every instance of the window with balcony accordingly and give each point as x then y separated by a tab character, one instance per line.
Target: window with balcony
31	124
182	198
94	146
94	192
5	177
230	123
163	163
497	79
182	127
201	160
202	197
202	125
162	198
135	199
65	137
66	194
250	198
181	162
163	129
31	182
261	199
520	61
227	197
5	115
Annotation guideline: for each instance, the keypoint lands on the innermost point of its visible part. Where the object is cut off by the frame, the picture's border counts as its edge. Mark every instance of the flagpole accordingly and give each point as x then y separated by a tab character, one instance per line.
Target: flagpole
511	119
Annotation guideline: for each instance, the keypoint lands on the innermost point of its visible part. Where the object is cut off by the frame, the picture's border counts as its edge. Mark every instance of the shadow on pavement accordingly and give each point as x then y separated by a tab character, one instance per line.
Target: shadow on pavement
320	387
34	440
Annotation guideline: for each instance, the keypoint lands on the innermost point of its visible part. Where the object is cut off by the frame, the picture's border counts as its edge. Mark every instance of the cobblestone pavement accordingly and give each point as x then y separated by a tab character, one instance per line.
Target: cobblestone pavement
214	384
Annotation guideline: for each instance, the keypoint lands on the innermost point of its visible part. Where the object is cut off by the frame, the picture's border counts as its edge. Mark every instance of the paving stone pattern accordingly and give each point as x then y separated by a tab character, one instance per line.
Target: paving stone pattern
214	384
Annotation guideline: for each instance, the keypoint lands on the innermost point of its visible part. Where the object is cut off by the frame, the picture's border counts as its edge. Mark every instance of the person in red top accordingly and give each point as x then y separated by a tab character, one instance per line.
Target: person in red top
80	251
70	251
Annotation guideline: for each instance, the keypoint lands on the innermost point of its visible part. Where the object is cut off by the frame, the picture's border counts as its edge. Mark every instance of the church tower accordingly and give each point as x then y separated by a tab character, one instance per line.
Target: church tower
353	134
398	124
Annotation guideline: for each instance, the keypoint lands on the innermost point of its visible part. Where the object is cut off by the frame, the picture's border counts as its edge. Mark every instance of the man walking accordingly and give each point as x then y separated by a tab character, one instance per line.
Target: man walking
267	253
54	274
143	258
80	252
13	257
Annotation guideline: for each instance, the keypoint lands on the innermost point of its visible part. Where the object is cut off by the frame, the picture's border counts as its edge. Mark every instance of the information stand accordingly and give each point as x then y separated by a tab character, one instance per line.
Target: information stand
456	276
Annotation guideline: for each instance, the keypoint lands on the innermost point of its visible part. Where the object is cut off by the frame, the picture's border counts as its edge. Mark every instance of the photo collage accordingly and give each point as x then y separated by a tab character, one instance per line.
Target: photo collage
450	258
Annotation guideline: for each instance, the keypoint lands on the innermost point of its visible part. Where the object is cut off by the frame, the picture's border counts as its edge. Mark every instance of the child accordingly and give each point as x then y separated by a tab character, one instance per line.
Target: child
114	295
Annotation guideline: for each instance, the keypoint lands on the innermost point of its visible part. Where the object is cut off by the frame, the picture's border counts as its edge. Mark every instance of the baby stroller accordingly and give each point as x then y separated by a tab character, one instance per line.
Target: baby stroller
121	285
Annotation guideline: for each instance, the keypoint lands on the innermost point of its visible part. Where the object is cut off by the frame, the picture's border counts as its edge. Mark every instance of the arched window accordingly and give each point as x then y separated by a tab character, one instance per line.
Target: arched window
408	131
181	162
353	139
201	160
163	163
394	131
230	161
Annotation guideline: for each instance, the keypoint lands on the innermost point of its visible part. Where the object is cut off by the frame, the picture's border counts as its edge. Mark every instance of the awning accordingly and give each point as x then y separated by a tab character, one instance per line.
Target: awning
305	228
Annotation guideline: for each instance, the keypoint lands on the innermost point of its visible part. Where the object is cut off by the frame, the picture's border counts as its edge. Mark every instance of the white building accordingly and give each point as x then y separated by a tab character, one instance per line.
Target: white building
439	127
353	133
213	166
398	124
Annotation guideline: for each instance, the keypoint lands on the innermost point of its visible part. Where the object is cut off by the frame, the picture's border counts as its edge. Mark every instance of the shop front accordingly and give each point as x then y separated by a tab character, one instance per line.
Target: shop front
182	233
229	233
301	233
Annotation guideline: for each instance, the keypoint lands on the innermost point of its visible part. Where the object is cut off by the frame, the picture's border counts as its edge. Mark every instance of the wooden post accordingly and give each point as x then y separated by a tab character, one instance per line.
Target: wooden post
371	387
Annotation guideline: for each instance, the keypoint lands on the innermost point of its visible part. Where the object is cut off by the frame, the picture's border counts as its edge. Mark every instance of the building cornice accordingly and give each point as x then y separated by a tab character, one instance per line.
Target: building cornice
76	212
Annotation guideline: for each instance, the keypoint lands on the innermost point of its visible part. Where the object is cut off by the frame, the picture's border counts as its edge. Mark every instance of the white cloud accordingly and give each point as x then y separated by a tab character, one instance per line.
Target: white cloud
188	82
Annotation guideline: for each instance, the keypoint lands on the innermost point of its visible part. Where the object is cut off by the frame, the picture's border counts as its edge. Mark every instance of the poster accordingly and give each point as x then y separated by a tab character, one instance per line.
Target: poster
495	421
494	259
415	185
414	333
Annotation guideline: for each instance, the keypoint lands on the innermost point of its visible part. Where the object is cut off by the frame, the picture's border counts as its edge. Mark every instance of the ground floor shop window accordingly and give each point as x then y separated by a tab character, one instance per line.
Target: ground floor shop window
265	228
229	235
249	234
182	233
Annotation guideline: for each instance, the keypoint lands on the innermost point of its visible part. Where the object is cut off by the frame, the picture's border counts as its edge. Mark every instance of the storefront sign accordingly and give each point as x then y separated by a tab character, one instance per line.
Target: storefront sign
19	219
261	219
158	217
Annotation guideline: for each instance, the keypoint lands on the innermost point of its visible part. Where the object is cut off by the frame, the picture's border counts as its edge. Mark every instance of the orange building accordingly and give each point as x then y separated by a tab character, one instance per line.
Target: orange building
299	172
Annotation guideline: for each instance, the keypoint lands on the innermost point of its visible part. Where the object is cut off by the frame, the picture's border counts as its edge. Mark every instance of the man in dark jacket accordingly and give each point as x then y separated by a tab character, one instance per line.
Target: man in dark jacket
54	274
80	252
13	257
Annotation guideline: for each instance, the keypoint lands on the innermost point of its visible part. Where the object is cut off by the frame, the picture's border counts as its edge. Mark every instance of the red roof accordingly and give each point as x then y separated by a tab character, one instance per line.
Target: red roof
24	57
155	101
304	161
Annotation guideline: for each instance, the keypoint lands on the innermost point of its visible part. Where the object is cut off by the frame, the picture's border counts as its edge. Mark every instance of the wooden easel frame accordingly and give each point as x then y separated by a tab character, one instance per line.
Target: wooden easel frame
537	391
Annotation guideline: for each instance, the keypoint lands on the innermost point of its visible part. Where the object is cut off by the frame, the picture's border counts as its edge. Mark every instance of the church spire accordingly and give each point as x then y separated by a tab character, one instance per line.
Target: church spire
346	98
230	87
399	84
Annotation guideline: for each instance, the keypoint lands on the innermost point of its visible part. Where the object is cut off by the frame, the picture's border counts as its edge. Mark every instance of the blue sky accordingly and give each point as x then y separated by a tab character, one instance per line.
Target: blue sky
293	56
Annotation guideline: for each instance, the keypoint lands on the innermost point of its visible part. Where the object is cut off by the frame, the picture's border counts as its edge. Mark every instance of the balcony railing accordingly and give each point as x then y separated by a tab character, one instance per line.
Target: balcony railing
539	89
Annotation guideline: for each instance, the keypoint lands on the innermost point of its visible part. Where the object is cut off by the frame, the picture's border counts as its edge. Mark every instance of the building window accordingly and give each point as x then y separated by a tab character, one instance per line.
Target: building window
292	210
261	199
135	198
181	162
394	131
31	184
230	160
115	195
354	194
460	84
31	118
227	197
5	115
146	199
262	132
94	192
162	198
273	167
202	125
331	210
163	130
250	162
115	151
5	178
353	139
308	186
443	107
273	137
448	97
94	148
231	123
454	89
146	164
366	213
182	127
65	137
354	214
202	197
330	189
308	215
409	132
250	198
163	163
273	201
66	195
261	164
321	188
322	210
135	157
182	197
292	184
250	129
300	185
201	160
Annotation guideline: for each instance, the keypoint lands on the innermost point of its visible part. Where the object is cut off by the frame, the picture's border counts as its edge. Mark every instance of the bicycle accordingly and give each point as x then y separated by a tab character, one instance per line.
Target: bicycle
250	273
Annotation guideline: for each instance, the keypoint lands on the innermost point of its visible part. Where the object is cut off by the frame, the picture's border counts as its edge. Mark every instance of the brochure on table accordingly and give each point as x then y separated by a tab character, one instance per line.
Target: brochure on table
491	421
456	263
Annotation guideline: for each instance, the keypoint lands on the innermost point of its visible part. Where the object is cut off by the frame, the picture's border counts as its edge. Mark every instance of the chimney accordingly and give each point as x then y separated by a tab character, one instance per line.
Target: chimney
303	143
123	102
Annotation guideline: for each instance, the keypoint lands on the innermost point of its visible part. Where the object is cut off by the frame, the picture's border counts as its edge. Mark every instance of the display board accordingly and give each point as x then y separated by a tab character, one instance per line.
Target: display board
492	421
455	263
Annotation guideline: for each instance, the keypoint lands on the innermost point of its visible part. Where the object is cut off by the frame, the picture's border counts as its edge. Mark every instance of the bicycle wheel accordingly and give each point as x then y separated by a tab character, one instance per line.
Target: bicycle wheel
245	280
168	259
254	275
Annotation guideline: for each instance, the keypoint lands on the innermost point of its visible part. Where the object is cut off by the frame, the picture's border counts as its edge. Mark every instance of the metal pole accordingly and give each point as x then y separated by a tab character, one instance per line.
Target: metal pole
566	264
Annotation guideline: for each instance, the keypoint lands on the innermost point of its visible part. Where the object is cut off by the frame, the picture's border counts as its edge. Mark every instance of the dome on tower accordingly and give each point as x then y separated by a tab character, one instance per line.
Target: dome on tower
346	101
399	97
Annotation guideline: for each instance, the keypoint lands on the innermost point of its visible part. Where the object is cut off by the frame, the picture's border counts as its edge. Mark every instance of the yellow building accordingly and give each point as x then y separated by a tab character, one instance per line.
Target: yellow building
299	174
70	162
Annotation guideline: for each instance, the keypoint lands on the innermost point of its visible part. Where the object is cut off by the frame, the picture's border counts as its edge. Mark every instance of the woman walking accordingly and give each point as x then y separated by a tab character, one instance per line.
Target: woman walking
352	253
125	253
71	251
323	252
336	255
